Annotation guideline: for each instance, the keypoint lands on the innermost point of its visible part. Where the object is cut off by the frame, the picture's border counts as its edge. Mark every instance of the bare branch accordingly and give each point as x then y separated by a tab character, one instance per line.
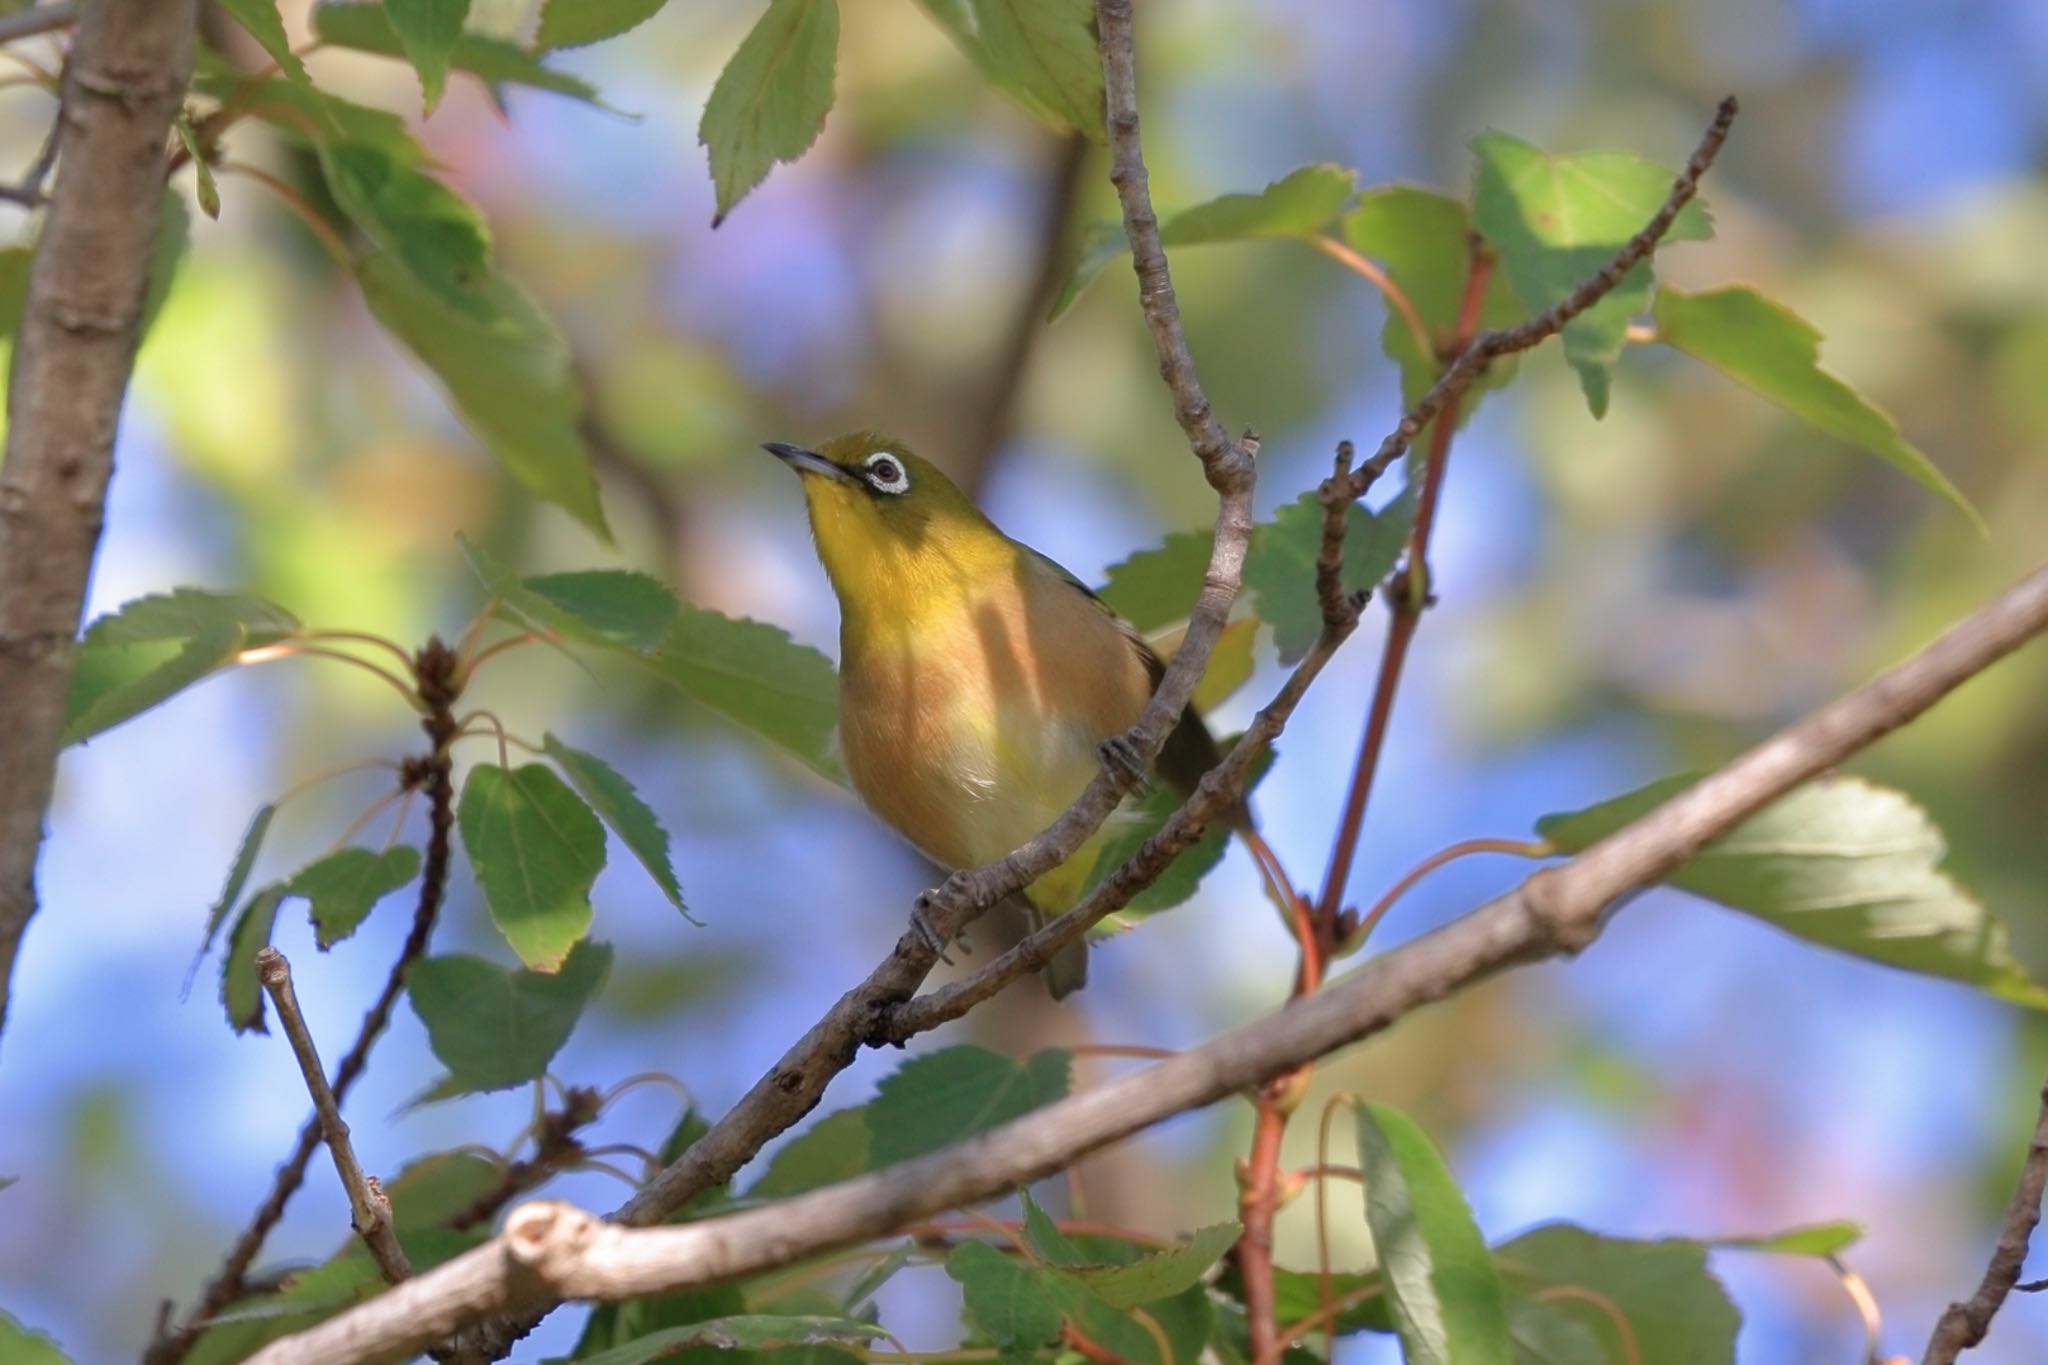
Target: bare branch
1964	1325
71	363
370	1208
550	1251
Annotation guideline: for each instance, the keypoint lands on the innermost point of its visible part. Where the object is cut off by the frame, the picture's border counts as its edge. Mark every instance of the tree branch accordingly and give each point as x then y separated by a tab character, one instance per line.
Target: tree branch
76	347
40	19
549	1252
1963	1325
370	1209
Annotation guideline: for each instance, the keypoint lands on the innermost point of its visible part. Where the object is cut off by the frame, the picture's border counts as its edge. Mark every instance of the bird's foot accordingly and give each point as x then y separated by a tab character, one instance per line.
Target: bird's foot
1120	756
920	921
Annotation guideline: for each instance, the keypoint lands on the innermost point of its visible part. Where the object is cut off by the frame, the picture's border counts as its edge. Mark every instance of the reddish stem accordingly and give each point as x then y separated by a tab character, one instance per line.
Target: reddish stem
1257	1204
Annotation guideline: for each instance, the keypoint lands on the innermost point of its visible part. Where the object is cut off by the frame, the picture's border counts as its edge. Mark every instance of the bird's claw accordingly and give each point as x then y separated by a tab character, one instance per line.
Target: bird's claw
920	921
1120	756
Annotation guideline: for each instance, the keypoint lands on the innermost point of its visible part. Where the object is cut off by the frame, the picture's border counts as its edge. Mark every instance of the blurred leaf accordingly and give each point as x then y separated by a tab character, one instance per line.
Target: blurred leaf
772	98
1676	1312
433	1189
612	1325
434	232
756	675
6	1180
366	27
428	31
1441	1286
575	23
1556	220
608	608
1815	1239
507	373
1230	665
1159	1274
20	1346
1154	588
1008	1301
943	1097
14	267
860	1294
751	1332
494	1028
202	174
1420	238
1840	862
155	647
619	806
1770	350
1280	568
238	877
835	1148
1298	1296
344	885
313	1295
1186	1320
1301	203
260	19
167	253
1144	816
1043	52
1545	1334
240	991
1044	1238
536	849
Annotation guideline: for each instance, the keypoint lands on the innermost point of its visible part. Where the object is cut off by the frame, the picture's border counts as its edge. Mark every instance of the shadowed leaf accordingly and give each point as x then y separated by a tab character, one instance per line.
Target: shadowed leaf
240	990
367	28
1280	568
536	849
1674	1311
750	1332
155	647
495	1027
836	1147
942	1097
1008	1301
344	885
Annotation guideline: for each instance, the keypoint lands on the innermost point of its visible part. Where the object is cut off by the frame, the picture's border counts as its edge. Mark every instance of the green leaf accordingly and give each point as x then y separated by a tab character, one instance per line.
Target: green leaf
1042	52
1298	1296
365	27
1814	1239
1164	1273
1840	862
1677	1313
240	990
1185	1320
428	31
835	1148
1155	588
14	267
536	849
1009	1302
1441	1286
166	254
434	232
20	1346
1545	1334
619	806
507	372
1770	350
494	1028
208	188
155	647
860	1294
943	1097
1144	816
1419	237
344	885
238	877
771	100
1043	1236
757	676
260	19
436	1188
576	23
1280	567
609	608
1299	204
1556	220
749	1332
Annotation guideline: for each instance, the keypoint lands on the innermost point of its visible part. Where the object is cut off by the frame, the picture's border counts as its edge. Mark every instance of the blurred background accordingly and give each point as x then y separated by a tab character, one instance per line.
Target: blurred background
1621	600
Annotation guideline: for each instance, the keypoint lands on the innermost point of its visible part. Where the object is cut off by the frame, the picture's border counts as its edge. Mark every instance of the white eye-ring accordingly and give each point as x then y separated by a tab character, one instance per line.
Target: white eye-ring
885	473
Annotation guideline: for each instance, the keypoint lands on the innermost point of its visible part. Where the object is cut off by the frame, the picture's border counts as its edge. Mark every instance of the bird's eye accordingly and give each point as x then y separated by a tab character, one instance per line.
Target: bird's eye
885	473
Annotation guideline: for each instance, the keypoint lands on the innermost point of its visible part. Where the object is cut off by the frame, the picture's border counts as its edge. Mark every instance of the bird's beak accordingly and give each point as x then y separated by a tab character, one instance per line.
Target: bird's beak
806	461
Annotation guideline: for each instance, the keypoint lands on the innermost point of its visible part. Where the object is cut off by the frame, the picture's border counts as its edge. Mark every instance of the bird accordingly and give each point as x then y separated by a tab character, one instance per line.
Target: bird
981	685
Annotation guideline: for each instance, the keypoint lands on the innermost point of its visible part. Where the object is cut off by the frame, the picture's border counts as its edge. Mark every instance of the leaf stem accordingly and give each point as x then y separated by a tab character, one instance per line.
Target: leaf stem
1381	280
286	649
1521	848
315	221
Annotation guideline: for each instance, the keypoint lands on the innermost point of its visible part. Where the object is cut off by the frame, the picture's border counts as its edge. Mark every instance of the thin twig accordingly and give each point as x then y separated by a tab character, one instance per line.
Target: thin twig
370	1207
1963	1325
1418	330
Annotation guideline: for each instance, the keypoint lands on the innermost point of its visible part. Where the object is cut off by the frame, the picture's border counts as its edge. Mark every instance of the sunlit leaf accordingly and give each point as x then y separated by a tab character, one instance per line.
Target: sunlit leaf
1814	1239
1770	350
620	807
943	1097
428	31
1556	220
344	885
495	1027
1006	1299
261	21
772	98
536	848
1042	52
1840	862
1673	1310
756	675
575	23
1441	1287
155	647
241	992
1280	568
366	27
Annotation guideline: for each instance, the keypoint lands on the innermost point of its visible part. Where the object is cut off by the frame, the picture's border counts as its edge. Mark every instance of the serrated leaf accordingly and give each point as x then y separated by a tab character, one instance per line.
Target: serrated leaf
495	1027
1144	816
1043	1236
1302	202
943	1097
1186	1320
1556	220
1419	237
238	877
241	992
1154	588
344	885
755	675
837	1147
609	608
1441	1287
749	1332
1006	1299
1163	1273
155	647
576	23
1814	1239
261	21
771	100
1841	862
1772	351
536	849
620	807
506	371
365	27
1041	52
428	31
1280	567
1676	1312
436	234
